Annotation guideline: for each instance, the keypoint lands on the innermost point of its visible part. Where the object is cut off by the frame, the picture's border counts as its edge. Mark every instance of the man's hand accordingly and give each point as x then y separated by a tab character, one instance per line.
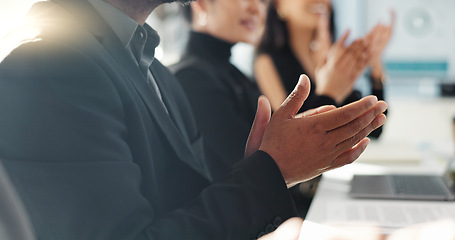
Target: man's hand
261	120
306	145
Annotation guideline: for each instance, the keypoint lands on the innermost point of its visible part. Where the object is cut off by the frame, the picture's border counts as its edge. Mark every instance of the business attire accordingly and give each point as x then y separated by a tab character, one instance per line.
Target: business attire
14	222
212	82
289	70
101	145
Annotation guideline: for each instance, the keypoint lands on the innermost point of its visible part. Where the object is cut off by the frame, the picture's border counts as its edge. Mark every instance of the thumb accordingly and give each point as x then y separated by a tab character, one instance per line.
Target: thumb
294	101
261	120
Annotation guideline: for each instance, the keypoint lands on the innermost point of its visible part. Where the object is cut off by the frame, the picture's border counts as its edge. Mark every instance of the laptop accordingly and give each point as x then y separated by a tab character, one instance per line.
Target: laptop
401	186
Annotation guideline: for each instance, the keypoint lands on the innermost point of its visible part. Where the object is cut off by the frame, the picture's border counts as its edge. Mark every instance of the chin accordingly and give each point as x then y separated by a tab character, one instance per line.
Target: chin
253	40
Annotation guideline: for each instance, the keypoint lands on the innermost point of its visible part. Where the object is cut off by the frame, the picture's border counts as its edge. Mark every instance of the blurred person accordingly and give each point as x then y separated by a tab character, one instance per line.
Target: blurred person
100	141
212	82
299	39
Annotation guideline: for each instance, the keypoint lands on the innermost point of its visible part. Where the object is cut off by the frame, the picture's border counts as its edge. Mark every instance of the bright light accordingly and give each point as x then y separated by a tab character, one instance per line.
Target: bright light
13	29
159	53
11	13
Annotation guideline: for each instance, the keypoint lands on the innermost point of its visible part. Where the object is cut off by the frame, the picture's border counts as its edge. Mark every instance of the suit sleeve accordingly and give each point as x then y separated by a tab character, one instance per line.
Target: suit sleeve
63	142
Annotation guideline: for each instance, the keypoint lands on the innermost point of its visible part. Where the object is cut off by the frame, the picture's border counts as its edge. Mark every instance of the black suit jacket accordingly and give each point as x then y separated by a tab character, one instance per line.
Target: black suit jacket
223	99
94	155
14	222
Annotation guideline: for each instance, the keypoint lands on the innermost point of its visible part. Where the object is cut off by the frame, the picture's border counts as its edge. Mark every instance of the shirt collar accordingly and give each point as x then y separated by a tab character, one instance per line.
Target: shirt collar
122	25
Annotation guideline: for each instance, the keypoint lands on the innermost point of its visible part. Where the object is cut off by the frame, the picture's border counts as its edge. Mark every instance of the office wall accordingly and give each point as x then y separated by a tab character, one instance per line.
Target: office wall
424	36
423	43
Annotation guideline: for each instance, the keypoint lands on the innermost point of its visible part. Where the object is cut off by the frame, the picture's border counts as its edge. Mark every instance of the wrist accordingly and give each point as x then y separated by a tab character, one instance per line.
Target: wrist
376	68
327	93
377	80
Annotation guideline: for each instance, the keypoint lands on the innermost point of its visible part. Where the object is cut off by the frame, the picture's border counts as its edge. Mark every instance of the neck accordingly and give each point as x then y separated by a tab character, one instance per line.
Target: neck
300	39
139	10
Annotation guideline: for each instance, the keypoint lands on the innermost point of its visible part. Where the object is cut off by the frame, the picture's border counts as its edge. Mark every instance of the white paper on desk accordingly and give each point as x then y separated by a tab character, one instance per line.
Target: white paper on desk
389	214
390	152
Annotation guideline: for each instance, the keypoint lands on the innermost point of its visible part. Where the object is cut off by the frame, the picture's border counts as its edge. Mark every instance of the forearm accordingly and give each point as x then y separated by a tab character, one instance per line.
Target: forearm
239	206
225	209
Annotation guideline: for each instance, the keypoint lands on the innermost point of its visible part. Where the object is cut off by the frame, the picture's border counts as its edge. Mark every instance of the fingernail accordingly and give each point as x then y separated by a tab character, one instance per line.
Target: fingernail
382	119
384	107
302	81
372	99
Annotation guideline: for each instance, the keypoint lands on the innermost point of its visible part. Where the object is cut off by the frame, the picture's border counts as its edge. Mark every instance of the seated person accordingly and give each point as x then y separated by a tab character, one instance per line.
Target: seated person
100	141
298	39
212	82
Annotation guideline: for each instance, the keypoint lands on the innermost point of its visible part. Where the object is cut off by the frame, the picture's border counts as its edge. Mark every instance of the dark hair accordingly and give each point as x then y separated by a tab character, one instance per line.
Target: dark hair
276	34
187	12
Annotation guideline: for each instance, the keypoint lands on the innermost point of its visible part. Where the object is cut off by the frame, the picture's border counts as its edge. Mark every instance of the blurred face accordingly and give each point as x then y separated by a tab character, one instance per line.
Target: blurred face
235	20
303	13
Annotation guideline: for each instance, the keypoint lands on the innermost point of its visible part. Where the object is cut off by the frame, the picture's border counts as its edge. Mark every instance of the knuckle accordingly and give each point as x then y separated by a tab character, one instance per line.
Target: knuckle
358	125
323	145
375	124
346	115
377	111
357	137
316	125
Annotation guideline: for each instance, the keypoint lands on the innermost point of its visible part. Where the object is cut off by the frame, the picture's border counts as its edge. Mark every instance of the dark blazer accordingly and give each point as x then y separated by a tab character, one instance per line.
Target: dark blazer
94	155
14	222
212	82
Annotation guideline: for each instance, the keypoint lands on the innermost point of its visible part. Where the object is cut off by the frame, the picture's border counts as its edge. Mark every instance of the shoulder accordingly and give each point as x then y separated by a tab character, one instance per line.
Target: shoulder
190	63
192	70
52	70
50	60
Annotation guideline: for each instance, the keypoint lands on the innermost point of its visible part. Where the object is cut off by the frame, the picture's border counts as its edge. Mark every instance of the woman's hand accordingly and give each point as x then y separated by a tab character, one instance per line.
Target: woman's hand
336	76
378	38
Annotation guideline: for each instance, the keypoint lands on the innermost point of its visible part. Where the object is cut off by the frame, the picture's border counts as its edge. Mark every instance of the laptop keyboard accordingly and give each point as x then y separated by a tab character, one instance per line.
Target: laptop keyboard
421	185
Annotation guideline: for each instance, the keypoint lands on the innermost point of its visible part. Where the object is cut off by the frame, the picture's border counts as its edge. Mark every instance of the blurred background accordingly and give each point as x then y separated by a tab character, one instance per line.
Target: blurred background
420	59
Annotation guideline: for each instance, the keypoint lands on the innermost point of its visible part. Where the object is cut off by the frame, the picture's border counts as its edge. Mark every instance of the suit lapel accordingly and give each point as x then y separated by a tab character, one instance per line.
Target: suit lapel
161	77
132	76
